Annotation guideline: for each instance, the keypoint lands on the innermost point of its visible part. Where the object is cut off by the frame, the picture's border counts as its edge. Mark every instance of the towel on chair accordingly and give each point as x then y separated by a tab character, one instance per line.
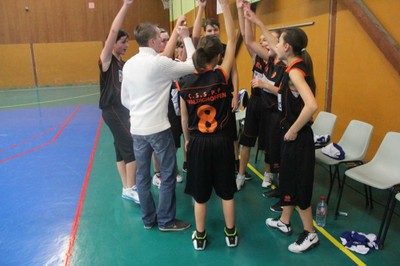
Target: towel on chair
321	139
359	242
334	151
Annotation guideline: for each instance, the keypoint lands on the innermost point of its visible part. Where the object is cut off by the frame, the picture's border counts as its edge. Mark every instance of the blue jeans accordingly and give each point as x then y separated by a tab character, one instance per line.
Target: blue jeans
162	143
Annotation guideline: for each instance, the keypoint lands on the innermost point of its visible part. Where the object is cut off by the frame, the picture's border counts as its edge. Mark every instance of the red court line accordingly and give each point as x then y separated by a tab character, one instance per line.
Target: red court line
74	229
64	125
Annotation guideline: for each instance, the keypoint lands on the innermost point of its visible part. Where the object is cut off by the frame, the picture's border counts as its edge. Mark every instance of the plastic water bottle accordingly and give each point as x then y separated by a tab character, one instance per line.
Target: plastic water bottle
322	209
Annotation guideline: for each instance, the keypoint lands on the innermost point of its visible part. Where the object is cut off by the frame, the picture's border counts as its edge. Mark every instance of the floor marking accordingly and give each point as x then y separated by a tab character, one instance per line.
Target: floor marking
321	230
64	124
74	230
49	101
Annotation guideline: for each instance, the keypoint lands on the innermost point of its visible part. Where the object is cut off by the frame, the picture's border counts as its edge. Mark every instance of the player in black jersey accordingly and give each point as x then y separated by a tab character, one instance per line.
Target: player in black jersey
212	27
206	110
115	115
262	115
297	103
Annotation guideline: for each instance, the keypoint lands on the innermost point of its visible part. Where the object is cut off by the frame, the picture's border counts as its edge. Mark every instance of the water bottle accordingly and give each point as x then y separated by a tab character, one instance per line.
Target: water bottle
322	208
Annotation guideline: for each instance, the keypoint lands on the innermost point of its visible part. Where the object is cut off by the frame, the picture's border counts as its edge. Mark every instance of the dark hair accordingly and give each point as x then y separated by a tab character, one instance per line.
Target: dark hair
144	32
121	33
278	32
213	22
179	43
297	38
208	48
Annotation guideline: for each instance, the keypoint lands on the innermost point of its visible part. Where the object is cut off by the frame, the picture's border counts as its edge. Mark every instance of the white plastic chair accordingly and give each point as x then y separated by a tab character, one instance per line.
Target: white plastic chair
386	220
382	172
324	124
355	142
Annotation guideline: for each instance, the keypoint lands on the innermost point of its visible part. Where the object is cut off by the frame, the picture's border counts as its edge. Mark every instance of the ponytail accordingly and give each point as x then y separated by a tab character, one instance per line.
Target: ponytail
200	59
297	38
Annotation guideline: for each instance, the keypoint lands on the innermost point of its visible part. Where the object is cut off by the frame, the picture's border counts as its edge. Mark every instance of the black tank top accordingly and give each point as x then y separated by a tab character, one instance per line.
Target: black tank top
110	84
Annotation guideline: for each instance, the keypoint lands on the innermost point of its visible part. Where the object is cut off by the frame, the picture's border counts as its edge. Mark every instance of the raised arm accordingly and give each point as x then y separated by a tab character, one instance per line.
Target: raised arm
252	44
197	22
106	53
229	57
169	50
240	8
271	39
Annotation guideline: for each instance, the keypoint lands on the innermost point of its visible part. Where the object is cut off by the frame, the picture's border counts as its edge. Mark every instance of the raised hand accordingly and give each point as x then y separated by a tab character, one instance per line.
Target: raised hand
181	21
183	31
242	3
250	15
202	2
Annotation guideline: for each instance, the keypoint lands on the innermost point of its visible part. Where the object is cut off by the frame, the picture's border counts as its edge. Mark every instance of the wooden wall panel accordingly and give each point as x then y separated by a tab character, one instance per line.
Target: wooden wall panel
76	64
50	21
16	69
365	87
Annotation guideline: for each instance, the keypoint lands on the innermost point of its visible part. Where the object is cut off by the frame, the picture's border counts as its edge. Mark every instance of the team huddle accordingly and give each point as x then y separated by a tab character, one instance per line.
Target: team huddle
189	84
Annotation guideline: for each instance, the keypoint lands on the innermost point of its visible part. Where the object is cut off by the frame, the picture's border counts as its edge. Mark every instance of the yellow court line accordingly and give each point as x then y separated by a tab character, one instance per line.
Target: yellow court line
336	243
50	101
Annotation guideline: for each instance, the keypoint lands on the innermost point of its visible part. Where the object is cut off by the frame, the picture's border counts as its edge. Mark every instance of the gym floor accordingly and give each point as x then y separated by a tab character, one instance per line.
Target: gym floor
61	199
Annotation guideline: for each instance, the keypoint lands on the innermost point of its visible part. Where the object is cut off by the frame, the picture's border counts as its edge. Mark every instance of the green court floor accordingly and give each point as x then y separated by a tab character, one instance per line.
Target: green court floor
110	230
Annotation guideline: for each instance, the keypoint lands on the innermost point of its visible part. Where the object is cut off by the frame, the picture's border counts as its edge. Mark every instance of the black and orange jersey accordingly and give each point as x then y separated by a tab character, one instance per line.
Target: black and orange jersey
274	71
110	84
208	100
289	99
258	73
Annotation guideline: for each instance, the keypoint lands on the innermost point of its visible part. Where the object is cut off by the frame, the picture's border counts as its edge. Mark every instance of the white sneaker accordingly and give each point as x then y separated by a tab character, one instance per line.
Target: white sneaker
231	239
157	179
268	177
199	243
279	225
240	181
131	194
305	242
179	178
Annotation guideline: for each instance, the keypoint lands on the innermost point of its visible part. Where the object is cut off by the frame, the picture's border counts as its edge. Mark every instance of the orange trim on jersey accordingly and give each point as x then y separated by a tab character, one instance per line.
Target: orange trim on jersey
289	67
177	85
302	72
224	73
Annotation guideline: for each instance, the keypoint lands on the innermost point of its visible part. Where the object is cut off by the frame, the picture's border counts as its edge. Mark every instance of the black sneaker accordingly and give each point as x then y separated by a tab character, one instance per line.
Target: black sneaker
247	176
276	207
199	243
175	225
273	193
231	239
184	167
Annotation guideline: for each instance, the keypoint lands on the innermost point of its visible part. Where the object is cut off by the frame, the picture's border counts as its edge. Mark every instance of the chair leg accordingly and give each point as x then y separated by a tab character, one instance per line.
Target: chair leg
256	159
366	196
387	216
340	196
370	198
331	182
